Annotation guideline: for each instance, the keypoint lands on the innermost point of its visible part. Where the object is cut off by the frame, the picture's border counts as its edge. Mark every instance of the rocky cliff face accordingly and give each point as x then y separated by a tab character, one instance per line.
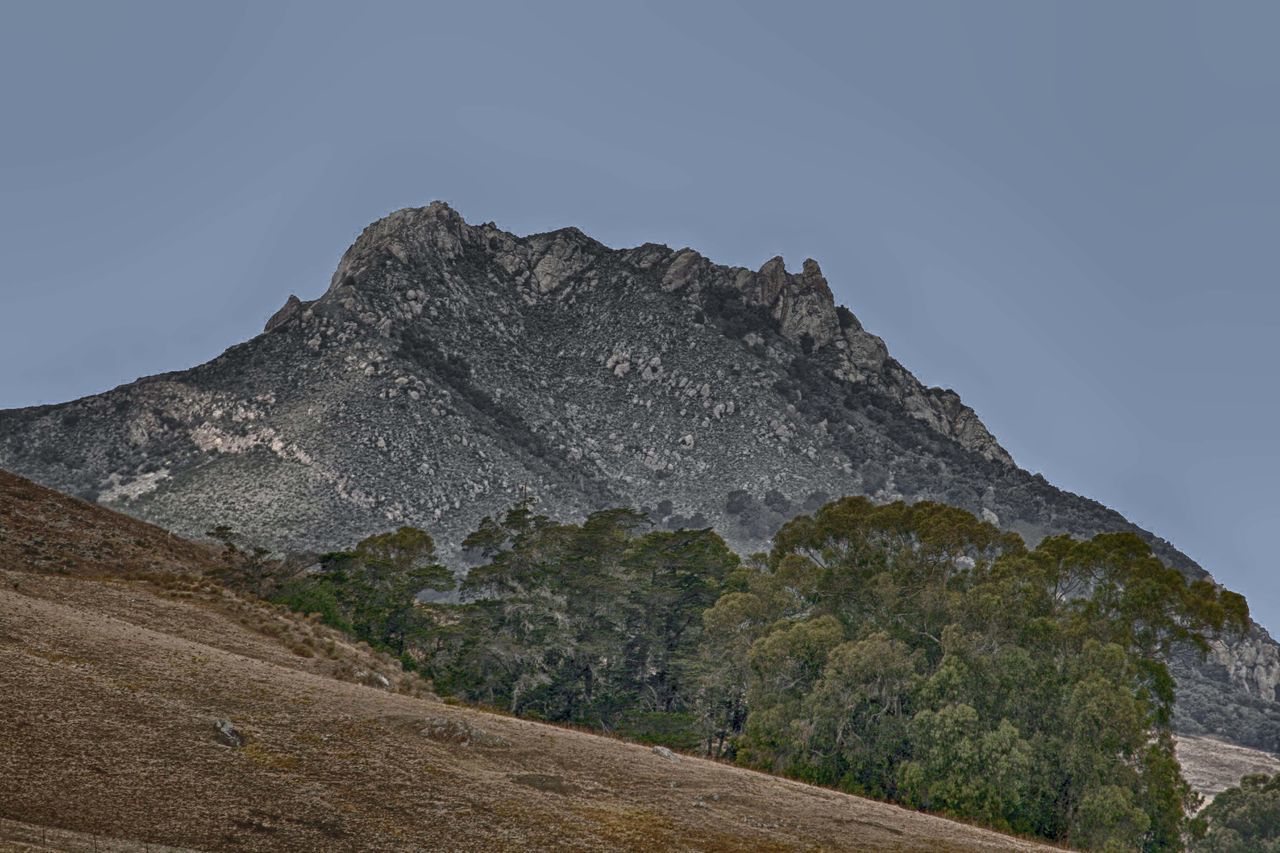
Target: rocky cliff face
451	369
1254	663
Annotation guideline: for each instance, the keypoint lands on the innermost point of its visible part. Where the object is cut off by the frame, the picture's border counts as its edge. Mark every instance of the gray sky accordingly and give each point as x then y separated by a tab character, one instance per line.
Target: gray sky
1067	212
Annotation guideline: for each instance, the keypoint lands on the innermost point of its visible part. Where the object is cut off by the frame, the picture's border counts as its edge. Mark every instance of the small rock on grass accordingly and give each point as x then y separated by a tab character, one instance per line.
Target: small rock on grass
461	733
227	734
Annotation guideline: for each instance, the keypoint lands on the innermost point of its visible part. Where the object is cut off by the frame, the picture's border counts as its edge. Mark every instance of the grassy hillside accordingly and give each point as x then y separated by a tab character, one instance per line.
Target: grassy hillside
118	657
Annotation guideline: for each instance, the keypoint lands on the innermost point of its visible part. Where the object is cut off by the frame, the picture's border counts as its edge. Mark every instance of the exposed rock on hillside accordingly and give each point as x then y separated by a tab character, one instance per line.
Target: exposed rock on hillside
451	369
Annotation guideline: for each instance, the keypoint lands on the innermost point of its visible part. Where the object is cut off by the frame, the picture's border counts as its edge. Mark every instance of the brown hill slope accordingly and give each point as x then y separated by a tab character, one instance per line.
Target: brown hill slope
44	530
112	679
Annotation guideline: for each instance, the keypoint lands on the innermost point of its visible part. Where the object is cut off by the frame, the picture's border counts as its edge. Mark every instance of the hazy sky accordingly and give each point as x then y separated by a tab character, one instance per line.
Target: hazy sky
1068	212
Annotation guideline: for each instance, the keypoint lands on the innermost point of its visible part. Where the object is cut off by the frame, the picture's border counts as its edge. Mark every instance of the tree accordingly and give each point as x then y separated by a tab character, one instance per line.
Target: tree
785	665
729	628
249	568
393	569
592	623
916	652
964	767
373	589
673	578
1243	819
857	713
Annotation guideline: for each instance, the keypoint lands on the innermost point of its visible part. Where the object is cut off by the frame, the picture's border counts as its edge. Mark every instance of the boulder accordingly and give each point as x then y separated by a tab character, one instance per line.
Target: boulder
462	733
227	734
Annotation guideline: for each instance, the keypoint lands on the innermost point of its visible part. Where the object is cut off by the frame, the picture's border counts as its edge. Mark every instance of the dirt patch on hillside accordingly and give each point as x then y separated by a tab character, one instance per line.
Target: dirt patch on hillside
1212	765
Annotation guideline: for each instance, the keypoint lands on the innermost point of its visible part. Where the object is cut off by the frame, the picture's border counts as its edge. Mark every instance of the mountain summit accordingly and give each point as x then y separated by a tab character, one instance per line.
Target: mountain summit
450	370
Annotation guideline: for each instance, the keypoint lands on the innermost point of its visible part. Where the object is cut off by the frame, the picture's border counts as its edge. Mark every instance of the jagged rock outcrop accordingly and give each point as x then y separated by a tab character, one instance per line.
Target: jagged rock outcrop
1253	662
451	369
291	307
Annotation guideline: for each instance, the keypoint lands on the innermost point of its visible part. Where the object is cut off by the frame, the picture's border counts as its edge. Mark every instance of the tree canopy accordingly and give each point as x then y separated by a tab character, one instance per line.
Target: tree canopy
913	653
372	590
1243	819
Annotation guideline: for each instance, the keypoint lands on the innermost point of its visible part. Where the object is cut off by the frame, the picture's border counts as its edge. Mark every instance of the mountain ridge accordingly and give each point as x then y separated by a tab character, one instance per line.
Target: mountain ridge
451	369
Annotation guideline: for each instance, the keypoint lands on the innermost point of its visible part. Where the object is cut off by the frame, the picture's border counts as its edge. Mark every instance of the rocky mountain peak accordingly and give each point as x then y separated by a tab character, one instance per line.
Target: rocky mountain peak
418	266
412	232
437	236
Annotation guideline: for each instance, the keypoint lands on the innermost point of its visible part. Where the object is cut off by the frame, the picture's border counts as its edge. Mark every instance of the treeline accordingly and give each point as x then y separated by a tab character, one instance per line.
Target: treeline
908	652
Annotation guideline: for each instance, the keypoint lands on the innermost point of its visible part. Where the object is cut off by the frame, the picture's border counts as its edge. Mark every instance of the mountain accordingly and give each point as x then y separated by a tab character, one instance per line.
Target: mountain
452	369
146	705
